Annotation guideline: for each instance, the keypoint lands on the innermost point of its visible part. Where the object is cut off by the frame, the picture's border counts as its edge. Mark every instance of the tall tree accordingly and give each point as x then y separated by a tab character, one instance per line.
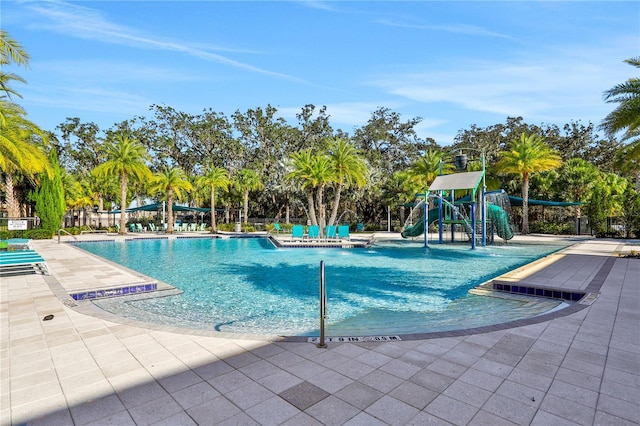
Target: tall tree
348	169
247	180
527	155
170	181
49	197
215	177
11	52
125	157
576	178
626	118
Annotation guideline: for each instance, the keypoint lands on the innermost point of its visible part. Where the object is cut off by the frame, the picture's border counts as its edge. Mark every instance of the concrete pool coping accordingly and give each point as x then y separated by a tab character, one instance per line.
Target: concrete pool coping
580	368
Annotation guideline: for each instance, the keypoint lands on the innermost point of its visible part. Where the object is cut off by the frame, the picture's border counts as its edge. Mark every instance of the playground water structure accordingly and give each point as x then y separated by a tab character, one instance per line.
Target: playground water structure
245	285
497	205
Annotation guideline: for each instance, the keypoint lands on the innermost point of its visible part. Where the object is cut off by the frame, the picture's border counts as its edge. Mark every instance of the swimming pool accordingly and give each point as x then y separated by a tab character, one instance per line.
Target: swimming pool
245	285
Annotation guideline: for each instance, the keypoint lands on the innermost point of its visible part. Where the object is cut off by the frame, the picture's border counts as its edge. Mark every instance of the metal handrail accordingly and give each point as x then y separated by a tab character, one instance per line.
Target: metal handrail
323	306
66	232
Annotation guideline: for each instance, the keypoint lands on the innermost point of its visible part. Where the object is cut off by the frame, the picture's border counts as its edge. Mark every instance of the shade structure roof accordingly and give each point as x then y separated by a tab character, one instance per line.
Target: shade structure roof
158	206
468	180
517	201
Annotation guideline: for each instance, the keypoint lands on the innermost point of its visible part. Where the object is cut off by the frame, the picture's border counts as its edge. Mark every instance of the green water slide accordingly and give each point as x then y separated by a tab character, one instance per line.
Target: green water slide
418	228
498	216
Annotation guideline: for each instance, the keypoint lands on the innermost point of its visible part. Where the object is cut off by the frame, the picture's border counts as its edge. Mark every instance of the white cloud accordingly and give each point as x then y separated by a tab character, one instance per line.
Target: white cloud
83	22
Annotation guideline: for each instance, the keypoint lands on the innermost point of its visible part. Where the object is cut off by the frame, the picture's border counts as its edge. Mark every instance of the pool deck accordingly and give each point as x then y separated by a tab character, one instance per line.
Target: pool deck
87	367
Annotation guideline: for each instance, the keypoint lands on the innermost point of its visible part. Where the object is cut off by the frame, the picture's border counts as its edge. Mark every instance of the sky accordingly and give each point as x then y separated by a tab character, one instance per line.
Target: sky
452	63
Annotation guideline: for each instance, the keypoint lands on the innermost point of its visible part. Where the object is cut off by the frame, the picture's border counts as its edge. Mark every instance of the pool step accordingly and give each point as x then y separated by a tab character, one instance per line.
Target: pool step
528	289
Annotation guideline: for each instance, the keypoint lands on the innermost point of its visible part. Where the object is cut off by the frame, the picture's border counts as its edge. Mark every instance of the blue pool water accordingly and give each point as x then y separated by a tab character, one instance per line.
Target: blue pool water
248	286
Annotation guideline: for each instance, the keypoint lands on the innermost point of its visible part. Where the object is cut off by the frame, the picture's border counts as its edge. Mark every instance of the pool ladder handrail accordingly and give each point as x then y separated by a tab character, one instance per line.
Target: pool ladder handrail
66	232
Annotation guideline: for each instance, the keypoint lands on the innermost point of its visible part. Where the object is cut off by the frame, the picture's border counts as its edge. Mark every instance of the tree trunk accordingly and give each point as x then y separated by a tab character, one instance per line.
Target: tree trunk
214	228
246	206
336	204
312	208
170	211
13	206
525	204
322	214
123	203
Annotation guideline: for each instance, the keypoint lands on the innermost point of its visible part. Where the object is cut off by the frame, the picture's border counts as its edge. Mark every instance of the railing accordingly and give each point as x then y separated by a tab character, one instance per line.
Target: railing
323	306
66	232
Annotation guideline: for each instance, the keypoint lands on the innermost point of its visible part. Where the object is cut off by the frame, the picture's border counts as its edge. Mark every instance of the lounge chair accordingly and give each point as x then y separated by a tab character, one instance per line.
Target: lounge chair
203	226
132	227
139	227
152	227
16	262
314	232
277	228
330	232
343	232
193	227
297	232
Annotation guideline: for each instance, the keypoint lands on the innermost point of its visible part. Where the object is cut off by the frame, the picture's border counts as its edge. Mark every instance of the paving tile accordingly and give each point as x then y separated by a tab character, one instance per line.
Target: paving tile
330	381
155	410
392	411
543	418
179	381
603	418
363	419
303	395
469	394
359	395
481	379
451	410
258	370
574	393
414	395
306	369
483	418
431	380
379	380
400	369
619	408
249	395
509	409
568	410
195	395
119	419
229	382
300	419
213	411
141	394
272	411
374	359
94	410
178	419
353	369
447	368
279	381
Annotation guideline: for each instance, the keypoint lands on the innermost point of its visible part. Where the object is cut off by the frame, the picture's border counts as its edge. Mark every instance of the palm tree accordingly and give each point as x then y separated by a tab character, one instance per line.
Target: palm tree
215	177
10	52
348	168
626	117
19	152
170	181
248	180
577	177
302	164
125	157
525	156
425	169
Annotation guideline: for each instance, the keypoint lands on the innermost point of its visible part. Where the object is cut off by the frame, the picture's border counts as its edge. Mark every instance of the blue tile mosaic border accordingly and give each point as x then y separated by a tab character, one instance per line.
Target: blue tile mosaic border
114	292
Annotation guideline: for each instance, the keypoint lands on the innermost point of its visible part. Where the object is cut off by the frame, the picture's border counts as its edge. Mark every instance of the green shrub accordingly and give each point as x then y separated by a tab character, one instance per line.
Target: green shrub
38	234
5	235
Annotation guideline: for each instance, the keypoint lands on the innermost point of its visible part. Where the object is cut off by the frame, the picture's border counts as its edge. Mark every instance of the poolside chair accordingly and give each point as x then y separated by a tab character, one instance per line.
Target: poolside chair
343	232
193	227
330	232
297	232
132	227
314	232
203	226
152	227
139	228
21	261
277	228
